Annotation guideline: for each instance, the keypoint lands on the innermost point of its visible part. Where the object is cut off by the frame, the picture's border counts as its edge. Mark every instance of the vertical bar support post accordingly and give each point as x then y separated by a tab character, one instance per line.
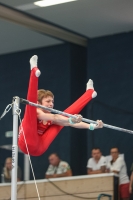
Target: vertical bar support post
15	110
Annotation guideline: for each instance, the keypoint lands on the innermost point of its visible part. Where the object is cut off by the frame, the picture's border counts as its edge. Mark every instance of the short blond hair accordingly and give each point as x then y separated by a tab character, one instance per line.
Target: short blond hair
43	94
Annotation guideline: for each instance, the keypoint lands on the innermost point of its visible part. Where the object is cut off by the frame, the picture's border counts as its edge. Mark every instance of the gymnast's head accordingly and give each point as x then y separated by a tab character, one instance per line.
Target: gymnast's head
45	98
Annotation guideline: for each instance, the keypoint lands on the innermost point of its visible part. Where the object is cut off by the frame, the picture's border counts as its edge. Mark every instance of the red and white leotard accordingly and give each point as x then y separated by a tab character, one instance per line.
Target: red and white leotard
41	128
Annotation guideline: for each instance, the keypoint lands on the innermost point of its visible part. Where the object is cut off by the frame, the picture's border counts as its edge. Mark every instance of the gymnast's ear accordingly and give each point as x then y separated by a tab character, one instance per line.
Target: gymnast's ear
38	102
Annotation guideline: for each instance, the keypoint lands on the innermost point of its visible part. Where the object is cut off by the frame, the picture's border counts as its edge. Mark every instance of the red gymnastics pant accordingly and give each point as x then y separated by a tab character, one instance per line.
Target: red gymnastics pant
38	144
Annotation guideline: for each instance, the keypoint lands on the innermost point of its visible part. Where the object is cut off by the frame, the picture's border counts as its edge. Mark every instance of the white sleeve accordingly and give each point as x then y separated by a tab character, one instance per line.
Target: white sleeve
118	165
49	170
64	166
103	162
89	164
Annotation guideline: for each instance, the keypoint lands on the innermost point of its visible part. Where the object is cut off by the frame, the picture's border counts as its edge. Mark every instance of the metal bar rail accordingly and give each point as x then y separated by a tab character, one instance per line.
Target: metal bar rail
24	101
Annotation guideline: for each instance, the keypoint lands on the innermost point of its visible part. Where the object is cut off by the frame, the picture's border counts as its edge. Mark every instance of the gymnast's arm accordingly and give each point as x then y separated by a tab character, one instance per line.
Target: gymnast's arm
84	125
57	119
63	121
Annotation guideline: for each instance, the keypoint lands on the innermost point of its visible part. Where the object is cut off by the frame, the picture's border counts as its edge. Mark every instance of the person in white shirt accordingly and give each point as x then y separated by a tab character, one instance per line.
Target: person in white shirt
96	164
118	166
57	167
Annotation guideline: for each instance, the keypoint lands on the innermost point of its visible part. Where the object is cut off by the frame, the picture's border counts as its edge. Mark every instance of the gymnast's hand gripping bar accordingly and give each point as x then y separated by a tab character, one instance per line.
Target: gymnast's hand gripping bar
24	101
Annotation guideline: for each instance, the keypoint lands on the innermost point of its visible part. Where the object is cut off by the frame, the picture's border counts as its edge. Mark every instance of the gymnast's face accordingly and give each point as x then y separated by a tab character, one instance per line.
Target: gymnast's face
48	102
96	154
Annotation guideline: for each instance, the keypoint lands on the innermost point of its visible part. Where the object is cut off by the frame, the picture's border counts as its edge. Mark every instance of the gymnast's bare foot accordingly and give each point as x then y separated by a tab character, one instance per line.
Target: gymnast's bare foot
33	63
89	86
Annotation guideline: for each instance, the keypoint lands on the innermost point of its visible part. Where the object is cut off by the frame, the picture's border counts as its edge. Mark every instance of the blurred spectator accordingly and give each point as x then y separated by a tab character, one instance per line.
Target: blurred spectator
96	164
118	166
57	167
6	173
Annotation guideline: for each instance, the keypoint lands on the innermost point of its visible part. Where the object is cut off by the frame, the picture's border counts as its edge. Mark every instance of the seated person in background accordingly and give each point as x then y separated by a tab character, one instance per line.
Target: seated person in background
57	167
96	164
7	170
118	166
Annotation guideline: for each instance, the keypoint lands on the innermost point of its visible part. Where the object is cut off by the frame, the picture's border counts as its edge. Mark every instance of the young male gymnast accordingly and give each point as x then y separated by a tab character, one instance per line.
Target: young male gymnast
40	127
